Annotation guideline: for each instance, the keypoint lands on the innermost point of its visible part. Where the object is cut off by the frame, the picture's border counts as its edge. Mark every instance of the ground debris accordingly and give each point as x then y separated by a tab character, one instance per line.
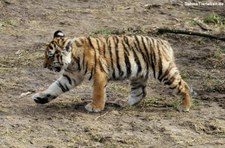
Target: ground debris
25	94
202	25
149	6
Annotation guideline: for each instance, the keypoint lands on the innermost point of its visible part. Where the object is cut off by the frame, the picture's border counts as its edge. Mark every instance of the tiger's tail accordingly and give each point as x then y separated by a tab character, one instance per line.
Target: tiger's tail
173	79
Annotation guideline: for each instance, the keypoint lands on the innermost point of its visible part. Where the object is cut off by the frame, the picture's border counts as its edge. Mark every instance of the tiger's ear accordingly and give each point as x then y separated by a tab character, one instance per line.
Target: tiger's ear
58	33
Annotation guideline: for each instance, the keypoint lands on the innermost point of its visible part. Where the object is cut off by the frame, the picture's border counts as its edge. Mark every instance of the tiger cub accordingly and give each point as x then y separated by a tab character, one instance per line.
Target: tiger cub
111	58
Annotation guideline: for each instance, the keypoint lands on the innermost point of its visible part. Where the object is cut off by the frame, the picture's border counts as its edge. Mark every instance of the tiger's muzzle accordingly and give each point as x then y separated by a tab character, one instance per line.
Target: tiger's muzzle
55	66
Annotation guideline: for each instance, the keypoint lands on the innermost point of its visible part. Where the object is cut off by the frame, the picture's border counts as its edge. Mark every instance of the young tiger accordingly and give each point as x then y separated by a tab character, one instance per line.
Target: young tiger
111	58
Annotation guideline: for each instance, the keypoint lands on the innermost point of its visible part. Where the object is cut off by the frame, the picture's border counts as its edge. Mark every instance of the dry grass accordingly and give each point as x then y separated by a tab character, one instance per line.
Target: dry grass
20	59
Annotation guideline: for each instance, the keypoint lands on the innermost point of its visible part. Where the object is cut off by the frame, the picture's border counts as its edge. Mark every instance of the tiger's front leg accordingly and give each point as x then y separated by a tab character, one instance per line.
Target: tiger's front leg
99	93
66	82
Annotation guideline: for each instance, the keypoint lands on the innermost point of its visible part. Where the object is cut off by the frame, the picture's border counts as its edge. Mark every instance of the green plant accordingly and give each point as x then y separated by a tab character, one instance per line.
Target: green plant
102	31
214	18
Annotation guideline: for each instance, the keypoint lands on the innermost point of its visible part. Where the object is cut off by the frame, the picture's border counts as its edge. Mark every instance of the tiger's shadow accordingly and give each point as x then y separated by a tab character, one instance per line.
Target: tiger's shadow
63	109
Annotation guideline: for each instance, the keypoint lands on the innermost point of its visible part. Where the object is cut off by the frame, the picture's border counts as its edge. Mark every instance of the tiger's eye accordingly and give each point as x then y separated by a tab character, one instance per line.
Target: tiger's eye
50	54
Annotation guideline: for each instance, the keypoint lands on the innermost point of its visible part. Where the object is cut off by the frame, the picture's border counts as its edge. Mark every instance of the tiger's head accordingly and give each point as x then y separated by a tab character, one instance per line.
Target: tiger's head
57	55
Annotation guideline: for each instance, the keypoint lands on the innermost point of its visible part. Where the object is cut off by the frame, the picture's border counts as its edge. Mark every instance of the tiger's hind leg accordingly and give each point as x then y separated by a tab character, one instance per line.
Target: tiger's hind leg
173	78
137	90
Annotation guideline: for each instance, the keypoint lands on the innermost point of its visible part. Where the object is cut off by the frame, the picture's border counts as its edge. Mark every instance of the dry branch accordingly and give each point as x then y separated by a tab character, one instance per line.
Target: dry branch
186	32
101	115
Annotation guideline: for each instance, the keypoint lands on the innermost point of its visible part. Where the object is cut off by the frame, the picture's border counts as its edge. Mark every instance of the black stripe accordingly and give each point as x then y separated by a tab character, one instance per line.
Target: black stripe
170	81
118	58
179	90
165	73
68	46
136	87
127	42
145	48
91	74
64	89
104	49
139	94
160	62
111	58
173	87
98	45
137	46
137	62
95	64
86	68
125	39
74	81
115	39
95	56
144	91
68	78
83	62
153	64
77	43
101	66
77	60
127	61
82	41
146	53
49	96
90	43
95	50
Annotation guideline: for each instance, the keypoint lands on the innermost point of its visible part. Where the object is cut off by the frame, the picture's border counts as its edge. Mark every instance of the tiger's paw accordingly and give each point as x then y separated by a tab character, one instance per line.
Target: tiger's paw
133	100
42	98
183	108
90	107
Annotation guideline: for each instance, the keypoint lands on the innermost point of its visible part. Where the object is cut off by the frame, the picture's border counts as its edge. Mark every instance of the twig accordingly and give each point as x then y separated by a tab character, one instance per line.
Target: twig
177	31
3	65
101	115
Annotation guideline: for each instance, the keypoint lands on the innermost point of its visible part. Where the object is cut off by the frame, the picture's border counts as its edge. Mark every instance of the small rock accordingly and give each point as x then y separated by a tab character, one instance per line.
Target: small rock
149	6
25	94
9	1
50	146
115	112
127	8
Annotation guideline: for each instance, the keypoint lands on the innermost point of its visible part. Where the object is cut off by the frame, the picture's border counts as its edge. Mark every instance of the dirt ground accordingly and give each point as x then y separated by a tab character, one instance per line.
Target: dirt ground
27	25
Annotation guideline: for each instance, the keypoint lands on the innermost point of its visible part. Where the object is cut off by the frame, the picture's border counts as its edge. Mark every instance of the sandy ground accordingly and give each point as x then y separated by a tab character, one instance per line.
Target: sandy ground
27	25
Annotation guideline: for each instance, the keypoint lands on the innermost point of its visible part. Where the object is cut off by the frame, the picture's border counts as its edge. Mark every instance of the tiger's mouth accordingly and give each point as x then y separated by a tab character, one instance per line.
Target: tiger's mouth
55	68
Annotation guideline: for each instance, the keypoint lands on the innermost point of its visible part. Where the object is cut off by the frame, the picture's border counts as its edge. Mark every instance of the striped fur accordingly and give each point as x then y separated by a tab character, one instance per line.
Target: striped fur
112	58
